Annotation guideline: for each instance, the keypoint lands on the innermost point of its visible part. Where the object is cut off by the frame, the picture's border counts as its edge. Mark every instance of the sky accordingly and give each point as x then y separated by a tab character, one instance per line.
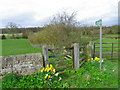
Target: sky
37	13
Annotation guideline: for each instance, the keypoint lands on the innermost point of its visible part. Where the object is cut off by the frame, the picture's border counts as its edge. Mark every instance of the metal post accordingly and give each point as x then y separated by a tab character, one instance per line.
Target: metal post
101	44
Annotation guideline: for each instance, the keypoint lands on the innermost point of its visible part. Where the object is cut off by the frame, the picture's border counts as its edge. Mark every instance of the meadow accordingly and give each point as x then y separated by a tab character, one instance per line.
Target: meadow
17	47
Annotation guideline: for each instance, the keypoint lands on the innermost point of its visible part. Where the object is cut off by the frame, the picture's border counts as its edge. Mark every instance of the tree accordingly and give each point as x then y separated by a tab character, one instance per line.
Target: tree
12	28
61	31
64	19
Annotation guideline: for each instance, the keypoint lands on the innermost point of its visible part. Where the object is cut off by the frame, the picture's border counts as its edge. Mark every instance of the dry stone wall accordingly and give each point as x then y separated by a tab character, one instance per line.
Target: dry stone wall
21	64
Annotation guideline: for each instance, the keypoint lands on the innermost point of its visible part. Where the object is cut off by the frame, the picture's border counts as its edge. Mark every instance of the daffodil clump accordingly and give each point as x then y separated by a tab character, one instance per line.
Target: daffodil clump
49	71
95	59
49	76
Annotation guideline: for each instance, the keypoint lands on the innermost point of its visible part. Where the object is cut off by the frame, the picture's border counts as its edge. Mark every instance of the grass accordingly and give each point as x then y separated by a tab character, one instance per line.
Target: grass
112	35
17	47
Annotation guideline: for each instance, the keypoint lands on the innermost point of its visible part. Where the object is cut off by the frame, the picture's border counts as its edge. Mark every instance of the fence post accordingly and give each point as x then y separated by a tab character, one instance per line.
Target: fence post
76	56
112	52
45	54
93	50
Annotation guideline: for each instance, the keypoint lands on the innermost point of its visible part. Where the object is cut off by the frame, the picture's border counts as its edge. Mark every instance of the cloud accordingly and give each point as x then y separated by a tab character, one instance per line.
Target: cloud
24	20
36	12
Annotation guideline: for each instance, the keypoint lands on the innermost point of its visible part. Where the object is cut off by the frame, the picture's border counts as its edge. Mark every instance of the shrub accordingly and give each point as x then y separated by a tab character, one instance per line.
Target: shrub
26	33
62	31
4	37
10	80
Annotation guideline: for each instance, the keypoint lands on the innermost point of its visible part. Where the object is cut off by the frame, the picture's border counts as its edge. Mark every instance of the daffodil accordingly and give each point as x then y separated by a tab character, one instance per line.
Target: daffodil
98	58
51	65
53	70
95	58
45	77
42	69
49	76
47	66
91	58
88	60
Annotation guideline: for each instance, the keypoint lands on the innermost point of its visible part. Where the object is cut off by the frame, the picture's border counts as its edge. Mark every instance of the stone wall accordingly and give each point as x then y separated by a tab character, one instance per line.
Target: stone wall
21	64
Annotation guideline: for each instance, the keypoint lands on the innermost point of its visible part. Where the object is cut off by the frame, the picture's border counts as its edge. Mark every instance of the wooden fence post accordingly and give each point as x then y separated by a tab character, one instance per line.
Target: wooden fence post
45	54
76	56
93	51
112	52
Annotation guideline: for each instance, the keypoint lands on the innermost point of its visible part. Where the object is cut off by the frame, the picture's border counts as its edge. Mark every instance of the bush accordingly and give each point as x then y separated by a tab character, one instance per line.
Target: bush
26	33
45	78
10	80
4	37
62	31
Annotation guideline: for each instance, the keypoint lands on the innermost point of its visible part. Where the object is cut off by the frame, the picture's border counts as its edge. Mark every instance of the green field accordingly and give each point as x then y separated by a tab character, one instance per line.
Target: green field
22	46
112	35
16	47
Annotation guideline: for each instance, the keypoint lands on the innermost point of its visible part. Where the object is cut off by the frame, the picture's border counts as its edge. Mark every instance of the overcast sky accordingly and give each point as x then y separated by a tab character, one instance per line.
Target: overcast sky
34	13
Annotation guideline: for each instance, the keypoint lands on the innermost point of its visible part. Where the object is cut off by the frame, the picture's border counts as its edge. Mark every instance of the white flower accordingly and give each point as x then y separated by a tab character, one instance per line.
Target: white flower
56	74
102	60
60	78
113	70
46	74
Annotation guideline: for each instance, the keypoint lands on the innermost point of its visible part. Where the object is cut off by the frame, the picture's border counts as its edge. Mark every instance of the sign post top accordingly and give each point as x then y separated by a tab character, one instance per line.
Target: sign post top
99	22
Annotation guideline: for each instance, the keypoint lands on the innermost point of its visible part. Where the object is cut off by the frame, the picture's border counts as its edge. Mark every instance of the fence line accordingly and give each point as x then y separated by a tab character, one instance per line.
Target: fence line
112	54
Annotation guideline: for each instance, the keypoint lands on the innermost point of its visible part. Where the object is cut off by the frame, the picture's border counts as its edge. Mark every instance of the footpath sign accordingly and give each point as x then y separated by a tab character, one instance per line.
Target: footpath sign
99	22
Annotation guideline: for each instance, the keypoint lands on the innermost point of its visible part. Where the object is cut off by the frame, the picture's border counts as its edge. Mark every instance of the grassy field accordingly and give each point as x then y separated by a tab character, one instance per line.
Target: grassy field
17	47
112	35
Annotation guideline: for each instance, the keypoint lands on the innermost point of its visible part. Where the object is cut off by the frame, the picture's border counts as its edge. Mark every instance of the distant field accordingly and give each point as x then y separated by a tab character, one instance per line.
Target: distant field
16	47
22	46
112	35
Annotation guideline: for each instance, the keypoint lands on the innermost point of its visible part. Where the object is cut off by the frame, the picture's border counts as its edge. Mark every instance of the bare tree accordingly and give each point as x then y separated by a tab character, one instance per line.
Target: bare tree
64	18
12	28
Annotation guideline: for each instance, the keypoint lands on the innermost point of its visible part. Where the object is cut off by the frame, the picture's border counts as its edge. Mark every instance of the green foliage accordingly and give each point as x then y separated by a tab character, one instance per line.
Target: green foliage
26	33
62	31
60	35
3	37
88	76
10	80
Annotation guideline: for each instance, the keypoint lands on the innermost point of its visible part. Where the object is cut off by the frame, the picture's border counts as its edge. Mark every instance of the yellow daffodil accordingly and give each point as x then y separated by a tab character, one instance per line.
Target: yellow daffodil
49	76
45	77
47	66
95	58
91	58
88	60
42	69
98	58
51	65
